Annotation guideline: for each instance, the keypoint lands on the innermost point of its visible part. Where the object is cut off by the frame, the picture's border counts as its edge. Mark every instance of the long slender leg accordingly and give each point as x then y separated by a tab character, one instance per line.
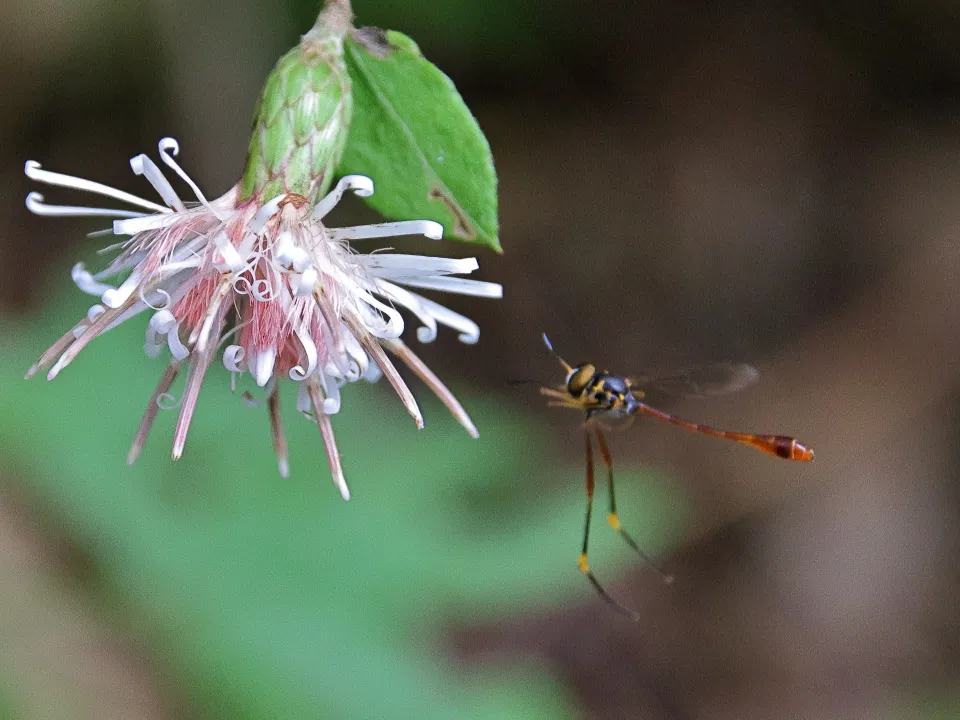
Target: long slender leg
583	564
612	518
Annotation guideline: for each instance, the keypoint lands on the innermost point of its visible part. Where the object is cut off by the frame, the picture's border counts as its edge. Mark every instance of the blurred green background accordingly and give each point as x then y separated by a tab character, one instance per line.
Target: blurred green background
680	183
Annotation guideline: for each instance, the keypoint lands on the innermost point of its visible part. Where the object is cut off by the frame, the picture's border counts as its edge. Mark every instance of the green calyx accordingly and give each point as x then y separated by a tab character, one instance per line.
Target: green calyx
302	118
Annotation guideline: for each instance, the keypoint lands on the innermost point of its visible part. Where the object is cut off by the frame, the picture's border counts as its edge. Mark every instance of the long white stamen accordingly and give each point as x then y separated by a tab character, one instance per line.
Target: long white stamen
460	286
170	147
428	332
395	266
37	206
172	268
33	171
142	224
469	330
142	165
361	185
86	282
429	228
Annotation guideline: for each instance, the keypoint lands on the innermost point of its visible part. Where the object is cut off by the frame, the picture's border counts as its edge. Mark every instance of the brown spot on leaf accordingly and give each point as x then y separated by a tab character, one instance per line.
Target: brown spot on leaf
462	226
374	41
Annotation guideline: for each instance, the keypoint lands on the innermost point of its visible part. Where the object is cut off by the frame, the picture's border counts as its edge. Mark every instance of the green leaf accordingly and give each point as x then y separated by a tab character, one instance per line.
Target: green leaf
413	134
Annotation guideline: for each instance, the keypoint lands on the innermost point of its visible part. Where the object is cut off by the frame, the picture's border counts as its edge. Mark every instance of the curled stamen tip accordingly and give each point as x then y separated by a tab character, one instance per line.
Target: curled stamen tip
361	185
34	199
433	230
30	166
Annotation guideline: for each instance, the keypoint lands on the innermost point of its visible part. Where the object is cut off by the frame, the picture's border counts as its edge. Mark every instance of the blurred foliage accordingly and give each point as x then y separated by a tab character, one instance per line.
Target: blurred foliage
932	706
273	598
6	703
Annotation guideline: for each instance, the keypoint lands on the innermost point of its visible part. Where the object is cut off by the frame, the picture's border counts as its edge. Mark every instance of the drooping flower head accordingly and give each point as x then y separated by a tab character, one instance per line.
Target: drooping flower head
255	277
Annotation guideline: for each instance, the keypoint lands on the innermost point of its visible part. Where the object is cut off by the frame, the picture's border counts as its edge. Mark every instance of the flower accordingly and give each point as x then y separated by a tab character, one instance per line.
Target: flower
285	295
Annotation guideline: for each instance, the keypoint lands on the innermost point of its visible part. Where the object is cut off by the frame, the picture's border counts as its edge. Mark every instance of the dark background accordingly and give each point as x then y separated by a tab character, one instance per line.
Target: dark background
775	183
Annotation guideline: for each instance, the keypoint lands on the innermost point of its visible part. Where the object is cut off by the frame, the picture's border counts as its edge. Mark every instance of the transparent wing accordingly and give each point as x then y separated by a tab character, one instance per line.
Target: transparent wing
701	381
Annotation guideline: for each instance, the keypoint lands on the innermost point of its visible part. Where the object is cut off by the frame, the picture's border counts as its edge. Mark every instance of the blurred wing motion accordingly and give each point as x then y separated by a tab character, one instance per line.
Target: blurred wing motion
702	381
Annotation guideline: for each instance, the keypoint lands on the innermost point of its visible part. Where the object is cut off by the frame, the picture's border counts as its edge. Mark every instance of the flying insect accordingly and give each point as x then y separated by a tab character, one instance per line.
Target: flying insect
600	394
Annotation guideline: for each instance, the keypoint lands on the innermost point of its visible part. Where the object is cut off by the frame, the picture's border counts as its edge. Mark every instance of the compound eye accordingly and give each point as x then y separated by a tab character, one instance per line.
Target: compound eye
580	378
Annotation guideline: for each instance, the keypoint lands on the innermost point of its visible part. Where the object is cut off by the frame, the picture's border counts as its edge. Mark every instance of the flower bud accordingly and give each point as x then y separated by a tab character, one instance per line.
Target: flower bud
302	118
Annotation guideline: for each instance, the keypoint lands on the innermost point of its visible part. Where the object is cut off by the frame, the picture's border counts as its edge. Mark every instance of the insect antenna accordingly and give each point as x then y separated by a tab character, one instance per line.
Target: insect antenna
566	365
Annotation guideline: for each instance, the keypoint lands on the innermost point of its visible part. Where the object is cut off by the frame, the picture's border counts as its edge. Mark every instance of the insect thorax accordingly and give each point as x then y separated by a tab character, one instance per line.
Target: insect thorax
601	391
580	379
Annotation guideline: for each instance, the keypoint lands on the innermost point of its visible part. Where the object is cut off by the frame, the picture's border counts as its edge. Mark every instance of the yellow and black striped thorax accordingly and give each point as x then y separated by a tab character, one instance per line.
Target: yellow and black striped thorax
598	390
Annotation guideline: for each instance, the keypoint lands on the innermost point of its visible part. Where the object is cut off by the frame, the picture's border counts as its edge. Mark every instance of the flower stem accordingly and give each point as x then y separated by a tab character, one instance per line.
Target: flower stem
336	16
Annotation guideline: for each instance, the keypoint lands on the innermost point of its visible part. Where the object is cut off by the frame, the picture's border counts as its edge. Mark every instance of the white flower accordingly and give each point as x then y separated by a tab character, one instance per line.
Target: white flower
290	297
